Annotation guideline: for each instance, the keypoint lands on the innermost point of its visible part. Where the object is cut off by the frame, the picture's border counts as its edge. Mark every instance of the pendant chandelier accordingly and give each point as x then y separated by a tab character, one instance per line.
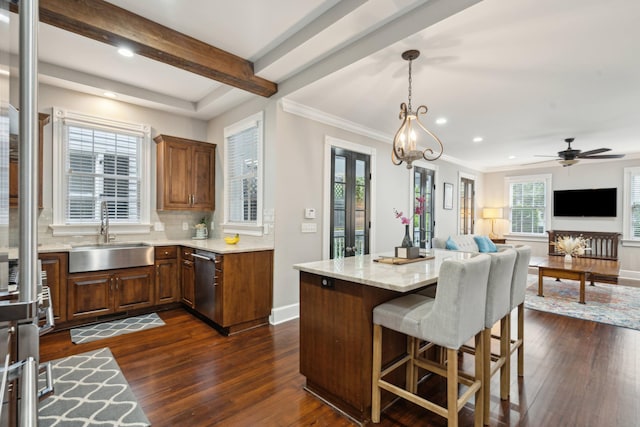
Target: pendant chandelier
406	140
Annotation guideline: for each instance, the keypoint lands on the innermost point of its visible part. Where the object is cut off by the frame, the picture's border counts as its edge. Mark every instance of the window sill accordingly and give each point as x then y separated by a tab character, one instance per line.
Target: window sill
635	243
93	229
243	229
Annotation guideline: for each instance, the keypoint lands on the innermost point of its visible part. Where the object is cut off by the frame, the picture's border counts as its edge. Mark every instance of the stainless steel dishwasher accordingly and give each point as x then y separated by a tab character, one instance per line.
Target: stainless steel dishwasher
205	282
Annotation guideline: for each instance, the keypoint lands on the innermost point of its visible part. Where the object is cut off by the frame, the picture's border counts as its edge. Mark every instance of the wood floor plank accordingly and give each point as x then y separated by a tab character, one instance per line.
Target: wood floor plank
577	373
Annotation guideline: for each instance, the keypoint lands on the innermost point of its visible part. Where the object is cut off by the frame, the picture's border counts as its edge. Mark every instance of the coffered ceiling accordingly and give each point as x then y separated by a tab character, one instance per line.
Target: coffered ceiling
522	75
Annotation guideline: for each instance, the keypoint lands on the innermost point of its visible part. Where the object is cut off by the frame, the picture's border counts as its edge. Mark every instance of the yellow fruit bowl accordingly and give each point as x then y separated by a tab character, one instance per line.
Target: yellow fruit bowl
232	240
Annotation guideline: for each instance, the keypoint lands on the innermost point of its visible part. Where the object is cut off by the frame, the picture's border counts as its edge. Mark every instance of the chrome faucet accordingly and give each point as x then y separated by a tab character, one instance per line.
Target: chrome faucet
104	222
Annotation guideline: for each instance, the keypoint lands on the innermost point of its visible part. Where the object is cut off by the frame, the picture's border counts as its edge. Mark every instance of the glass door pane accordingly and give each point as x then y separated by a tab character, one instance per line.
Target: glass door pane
423	188
350	203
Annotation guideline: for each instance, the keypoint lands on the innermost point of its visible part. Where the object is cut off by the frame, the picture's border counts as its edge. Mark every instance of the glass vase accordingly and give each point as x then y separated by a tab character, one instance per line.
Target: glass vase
406	242
567	259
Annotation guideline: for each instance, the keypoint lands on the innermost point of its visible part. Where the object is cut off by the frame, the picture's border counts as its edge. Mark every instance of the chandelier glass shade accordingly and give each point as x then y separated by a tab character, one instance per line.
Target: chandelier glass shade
411	135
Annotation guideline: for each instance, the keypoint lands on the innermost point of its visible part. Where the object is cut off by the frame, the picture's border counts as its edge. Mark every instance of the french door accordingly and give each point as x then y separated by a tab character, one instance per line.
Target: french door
424	224
350	203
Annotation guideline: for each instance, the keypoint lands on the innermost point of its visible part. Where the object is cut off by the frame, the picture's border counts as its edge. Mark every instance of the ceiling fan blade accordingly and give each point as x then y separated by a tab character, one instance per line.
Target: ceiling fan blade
596	151
540	162
604	156
542	155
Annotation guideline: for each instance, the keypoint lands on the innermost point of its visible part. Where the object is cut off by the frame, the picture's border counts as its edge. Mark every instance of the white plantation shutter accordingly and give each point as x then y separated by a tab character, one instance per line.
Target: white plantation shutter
635	204
528	204
243	173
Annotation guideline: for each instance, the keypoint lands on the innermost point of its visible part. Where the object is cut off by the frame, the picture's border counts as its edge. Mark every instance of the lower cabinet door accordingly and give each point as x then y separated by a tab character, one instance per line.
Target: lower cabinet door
133	288
89	295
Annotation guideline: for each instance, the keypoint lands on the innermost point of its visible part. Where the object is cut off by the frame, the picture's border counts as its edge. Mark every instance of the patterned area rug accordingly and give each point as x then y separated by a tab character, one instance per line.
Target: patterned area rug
116	327
90	391
613	304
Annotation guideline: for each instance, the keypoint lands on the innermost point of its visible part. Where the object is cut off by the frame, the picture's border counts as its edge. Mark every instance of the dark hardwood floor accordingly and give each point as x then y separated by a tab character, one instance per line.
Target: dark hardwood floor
577	373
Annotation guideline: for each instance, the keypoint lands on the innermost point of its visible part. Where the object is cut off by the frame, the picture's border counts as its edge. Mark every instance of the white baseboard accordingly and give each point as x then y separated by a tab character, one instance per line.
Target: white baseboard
284	314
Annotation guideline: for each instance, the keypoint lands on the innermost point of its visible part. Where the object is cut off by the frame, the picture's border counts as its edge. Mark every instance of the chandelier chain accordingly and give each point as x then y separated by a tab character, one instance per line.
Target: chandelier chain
410	81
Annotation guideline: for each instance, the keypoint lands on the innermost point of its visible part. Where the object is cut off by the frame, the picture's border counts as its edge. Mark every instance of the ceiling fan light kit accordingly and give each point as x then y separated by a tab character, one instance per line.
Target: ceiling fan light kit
405	142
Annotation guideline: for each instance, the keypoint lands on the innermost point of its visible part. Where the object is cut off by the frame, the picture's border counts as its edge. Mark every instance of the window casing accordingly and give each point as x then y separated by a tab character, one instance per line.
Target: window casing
243	176
631	208
96	160
529	204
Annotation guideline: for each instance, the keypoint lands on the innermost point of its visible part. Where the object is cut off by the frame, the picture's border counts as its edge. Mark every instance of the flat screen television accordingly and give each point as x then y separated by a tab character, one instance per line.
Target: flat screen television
599	202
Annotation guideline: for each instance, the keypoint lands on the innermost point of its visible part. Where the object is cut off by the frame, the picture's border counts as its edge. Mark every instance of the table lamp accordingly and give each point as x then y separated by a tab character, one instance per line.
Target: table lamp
492	214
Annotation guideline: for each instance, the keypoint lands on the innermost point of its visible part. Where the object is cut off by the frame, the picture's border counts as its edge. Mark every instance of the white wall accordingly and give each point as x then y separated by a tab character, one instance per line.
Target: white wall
586	174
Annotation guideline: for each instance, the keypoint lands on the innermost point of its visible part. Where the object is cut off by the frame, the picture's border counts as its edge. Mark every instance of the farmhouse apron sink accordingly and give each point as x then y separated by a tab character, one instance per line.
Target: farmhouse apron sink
109	256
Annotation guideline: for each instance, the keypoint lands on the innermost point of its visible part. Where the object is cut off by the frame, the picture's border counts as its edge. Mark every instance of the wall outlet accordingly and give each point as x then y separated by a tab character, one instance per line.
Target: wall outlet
185	226
158	226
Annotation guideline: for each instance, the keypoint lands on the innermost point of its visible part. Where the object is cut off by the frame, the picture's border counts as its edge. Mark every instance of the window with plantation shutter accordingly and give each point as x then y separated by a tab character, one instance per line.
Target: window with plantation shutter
98	160
243	176
631	211
529	206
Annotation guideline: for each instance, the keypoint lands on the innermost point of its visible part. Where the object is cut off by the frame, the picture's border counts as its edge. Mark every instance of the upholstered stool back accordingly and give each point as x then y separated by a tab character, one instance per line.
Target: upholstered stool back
520	271
499	286
459	307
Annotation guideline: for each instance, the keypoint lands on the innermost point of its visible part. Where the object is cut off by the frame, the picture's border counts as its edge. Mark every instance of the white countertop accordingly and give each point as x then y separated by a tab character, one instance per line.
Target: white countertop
213	245
402	278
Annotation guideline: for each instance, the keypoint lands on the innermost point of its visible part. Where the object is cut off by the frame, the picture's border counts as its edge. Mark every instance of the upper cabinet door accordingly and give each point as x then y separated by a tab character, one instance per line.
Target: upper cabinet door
203	176
185	174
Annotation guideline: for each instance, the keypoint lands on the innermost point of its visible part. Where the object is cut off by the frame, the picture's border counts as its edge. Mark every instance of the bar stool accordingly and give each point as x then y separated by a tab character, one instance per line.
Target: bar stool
450	319
518	290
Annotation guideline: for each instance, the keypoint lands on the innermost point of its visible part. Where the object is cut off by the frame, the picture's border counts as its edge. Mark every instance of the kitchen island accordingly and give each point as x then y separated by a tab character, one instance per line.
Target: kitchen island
337	298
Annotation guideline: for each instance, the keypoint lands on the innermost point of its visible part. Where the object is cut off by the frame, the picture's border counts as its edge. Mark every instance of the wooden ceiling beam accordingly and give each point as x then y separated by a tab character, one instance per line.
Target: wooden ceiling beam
107	23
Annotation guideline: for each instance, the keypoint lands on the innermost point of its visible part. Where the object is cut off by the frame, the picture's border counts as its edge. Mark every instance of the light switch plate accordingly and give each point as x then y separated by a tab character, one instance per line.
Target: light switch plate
309	227
158	226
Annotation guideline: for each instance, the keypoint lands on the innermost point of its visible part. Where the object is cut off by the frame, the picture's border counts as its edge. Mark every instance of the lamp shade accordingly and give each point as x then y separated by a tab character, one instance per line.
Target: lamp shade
492	213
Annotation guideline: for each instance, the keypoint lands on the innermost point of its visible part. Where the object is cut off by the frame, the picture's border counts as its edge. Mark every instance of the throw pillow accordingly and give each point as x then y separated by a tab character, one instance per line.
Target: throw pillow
451	245
485	244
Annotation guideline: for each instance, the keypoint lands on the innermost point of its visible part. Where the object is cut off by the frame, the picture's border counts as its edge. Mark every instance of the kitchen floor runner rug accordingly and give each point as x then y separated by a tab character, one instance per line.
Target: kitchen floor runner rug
90	391
114	328
612	304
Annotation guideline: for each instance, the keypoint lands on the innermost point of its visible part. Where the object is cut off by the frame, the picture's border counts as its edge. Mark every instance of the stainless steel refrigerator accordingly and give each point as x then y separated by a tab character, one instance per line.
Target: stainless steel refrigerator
21	309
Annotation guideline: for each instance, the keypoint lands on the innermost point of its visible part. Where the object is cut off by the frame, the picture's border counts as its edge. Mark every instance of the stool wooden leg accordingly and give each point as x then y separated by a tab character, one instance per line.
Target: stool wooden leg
377	368
521	339
505	352
479	375
486	374
452	387
505	370
412	370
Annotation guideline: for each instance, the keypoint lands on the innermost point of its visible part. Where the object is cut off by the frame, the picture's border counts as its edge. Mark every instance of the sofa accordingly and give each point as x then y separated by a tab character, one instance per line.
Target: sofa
464	242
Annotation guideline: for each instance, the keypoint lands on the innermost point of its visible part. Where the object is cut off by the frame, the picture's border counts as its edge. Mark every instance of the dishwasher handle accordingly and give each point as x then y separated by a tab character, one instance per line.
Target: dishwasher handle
206	258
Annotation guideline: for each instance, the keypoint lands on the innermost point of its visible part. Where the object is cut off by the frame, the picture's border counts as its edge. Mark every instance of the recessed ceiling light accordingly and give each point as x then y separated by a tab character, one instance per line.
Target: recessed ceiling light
125	52
477	139
512	157
110	95
441	120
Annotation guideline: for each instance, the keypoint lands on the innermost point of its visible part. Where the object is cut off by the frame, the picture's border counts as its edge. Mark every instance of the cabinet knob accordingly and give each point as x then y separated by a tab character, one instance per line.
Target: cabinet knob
166	252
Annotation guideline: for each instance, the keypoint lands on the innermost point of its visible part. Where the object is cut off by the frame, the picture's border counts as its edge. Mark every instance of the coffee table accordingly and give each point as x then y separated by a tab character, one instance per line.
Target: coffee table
579	269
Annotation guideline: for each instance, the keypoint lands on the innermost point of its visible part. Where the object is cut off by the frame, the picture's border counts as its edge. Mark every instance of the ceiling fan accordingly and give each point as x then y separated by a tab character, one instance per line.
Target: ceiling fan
572	156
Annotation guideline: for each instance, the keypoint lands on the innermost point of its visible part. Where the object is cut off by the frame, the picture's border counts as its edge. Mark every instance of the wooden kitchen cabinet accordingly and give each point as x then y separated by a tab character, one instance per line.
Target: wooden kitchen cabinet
167	284
244	290
103	292
55	265
43	119
185	174
187	277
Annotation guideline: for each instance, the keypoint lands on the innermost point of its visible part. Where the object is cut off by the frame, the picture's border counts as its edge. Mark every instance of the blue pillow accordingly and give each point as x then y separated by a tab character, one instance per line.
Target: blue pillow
451	245
485	244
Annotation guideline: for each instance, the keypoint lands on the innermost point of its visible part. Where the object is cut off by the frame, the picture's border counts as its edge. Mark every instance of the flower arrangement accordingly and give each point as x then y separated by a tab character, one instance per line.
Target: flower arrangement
573	246
419	210
201	225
